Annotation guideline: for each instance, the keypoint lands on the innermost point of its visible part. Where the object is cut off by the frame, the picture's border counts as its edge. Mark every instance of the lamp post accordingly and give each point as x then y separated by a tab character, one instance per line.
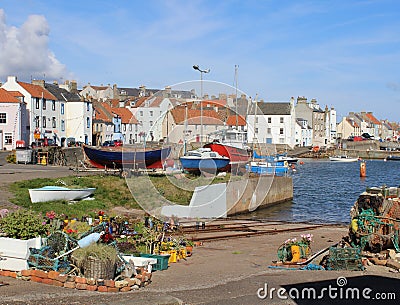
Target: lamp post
196	67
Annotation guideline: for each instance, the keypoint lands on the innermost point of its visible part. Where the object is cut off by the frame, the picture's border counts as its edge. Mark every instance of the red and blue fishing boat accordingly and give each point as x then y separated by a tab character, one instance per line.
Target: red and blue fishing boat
122	157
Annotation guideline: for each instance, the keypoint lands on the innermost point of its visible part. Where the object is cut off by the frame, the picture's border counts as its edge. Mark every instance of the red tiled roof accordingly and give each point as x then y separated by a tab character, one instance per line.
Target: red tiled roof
16	93
157	101
231	121
139	102
218	103
7	97
210	117
353	123
126	115
373	119
37	91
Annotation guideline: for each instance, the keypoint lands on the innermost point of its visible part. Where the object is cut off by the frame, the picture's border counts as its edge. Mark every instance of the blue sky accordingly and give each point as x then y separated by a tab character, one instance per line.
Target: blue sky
346	54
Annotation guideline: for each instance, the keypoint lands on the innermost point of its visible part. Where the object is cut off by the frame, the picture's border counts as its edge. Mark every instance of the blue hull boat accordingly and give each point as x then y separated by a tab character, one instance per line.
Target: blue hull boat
279	168
120	157
204	160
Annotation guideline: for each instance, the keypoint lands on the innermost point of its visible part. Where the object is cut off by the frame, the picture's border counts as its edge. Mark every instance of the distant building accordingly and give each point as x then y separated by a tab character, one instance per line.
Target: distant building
41	106
14	119
272	123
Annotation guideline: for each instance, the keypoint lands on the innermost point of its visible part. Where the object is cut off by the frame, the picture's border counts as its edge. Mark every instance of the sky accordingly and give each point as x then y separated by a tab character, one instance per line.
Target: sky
344	53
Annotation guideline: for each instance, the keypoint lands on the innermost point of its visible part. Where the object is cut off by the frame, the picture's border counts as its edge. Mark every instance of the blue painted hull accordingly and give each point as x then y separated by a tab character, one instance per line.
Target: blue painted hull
277	168
123	158
207	165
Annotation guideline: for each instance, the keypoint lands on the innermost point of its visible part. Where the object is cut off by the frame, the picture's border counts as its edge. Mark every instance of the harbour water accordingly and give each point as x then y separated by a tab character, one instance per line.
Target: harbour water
324	191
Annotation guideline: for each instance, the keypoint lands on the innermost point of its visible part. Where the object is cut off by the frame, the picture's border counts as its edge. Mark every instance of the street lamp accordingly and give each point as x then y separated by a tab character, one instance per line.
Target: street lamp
196	67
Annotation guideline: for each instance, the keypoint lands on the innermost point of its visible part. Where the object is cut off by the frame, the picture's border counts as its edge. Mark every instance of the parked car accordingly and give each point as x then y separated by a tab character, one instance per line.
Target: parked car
367	136
118	143
358	138
108	143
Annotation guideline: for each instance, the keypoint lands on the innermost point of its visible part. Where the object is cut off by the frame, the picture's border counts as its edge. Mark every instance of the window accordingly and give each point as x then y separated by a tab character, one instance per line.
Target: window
88	122
256	120
130	127
281	119
151	113
268	130
281	131
44	122
62	108
44	104
53	105
62	125
269	120
141	113
256	130
3	118
124	127
151	123
8	138
37	120
54	124
136	127
87	106
37	102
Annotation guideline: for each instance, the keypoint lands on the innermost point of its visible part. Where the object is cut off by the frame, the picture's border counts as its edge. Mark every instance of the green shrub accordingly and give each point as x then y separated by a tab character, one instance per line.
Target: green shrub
12	158
23	224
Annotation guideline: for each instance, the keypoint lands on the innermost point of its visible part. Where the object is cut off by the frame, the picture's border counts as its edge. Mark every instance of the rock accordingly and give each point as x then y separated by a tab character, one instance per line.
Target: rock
392	254
391	263
121	284
135	287
377	261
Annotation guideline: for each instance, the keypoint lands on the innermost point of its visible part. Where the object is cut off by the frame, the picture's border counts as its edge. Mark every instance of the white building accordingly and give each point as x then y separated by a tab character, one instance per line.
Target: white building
13	120
99	93
272	123
304	133
41	105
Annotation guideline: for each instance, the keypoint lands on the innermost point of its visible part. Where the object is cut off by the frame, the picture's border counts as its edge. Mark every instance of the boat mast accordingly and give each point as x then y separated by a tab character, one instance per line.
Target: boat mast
255	120
186	125
236	105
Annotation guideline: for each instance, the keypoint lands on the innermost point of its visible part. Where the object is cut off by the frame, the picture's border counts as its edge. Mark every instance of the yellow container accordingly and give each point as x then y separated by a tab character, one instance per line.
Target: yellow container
295	253
182	253
173	257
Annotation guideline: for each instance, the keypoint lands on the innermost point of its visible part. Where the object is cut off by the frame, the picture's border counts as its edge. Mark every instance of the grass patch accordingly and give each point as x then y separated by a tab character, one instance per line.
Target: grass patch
111	191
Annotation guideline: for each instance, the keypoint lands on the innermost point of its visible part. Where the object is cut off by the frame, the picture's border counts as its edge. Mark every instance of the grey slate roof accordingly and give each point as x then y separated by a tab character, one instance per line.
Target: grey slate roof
61	94
274	108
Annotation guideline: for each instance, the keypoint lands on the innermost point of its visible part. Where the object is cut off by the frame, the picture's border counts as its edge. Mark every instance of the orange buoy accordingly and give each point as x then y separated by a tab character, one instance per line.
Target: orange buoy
363	169
301	162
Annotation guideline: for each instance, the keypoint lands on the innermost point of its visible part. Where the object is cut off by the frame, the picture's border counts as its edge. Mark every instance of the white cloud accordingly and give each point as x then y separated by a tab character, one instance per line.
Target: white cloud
25	52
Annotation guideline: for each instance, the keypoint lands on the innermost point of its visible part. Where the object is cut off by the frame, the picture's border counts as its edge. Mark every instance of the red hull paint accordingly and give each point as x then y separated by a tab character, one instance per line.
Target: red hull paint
235	154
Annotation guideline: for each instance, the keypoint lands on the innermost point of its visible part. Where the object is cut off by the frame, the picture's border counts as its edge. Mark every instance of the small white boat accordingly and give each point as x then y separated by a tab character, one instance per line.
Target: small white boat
52	193
204	159
343	158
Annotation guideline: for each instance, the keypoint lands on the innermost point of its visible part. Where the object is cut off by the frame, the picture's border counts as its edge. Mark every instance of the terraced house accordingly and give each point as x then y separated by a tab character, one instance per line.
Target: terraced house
53	112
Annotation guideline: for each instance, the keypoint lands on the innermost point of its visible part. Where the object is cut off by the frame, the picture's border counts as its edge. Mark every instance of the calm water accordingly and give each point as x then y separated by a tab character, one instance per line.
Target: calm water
325	191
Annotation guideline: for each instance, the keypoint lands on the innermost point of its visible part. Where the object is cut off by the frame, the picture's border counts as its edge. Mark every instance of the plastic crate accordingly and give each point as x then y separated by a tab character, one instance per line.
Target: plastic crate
162	260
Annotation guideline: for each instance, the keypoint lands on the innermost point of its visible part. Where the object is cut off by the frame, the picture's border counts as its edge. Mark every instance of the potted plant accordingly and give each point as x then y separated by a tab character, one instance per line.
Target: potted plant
293	250
22	230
